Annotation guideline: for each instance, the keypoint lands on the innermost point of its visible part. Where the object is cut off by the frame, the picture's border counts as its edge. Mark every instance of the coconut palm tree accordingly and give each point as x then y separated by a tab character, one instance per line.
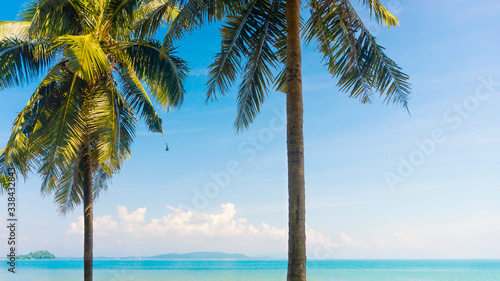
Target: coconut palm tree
77	128
261	42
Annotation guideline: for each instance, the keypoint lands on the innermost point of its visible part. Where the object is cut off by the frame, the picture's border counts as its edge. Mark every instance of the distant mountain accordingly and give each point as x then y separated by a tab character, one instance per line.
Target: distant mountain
202	256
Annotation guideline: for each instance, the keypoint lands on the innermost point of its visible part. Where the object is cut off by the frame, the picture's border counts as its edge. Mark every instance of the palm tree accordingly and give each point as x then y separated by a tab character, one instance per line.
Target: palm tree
261	36
77	128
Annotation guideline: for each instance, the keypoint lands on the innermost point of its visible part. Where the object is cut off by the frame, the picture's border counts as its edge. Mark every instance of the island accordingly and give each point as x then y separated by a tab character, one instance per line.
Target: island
38	255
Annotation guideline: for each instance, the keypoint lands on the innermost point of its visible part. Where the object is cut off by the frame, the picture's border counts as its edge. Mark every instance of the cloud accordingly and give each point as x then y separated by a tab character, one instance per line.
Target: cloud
135	217
178	222
103	226
199	72
186	227
315	237
181	230
346	238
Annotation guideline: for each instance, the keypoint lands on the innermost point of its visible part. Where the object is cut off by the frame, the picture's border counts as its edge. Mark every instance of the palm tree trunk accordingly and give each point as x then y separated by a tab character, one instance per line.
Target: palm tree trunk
88	240
295	147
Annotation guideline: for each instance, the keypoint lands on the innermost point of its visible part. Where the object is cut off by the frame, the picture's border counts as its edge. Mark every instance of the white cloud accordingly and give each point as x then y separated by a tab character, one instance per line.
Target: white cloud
186	230
199	72
103	226
193	225
346	238
135	217
222	229
315	237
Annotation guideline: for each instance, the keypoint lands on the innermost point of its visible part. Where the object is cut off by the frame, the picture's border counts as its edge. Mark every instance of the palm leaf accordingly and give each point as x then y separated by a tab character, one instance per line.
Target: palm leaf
195	13
69	192
119	15
160	69
226	66
351	53
85	56
4	183
281	47
138	98
153	15
382	15
266	24
21	61
112	127
62	135
52	18
14	153
20	151
14	29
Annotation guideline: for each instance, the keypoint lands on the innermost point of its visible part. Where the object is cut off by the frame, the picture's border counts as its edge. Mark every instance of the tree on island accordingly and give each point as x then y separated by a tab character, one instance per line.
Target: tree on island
77	128
38	255
262	36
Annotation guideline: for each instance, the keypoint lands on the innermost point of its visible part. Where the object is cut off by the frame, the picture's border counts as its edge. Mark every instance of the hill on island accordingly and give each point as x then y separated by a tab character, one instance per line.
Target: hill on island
201	256
38	255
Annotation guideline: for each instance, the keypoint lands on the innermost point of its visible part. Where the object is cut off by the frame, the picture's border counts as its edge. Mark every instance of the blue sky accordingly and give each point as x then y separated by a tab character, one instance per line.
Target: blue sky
379	183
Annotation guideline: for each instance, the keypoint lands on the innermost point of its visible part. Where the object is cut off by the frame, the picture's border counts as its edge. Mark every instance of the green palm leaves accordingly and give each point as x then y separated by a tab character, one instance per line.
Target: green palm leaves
253	48
351	53
97	83
84	56
256	34
253	33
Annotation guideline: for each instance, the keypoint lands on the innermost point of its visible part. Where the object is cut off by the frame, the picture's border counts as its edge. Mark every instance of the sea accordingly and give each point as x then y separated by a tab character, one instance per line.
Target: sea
255	270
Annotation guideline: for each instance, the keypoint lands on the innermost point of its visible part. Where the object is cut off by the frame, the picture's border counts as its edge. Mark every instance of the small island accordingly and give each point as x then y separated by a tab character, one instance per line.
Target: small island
38	255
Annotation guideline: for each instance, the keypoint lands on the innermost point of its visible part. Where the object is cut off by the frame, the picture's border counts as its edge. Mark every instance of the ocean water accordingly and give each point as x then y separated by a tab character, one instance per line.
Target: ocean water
261	270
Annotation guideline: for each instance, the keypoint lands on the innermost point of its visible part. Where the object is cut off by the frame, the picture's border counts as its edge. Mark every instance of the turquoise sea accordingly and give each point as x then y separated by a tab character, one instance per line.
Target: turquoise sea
265	270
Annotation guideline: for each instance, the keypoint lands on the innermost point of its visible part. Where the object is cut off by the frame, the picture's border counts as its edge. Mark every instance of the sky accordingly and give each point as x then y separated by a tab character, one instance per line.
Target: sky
380	183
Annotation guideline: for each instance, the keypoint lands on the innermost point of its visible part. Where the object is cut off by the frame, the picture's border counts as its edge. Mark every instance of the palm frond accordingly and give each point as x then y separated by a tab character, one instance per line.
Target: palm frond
85	56
22	61
21	151
52	18
112	126
62	135
382	15
281	47
195	13
160	69
100	179
4	183
267	24
14	153
14	29
153	15
352	53
138	98
189	18
119	14
69	192
235	33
